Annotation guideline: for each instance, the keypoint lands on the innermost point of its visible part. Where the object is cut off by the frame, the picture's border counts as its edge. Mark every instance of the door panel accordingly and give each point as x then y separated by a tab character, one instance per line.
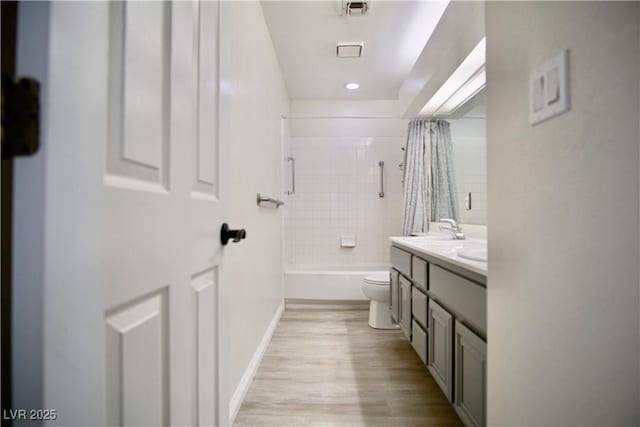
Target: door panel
137	355
207	138
139	72
144	89
135	197
205	375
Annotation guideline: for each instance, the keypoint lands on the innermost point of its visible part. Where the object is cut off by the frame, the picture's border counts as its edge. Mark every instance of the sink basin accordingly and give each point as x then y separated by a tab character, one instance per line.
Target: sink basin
474	254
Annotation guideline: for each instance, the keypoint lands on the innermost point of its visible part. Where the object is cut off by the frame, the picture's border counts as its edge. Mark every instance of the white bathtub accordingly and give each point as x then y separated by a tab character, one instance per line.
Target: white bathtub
329	282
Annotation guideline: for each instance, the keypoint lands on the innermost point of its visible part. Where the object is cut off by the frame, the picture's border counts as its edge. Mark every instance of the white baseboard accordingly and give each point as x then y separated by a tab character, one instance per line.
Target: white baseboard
247	378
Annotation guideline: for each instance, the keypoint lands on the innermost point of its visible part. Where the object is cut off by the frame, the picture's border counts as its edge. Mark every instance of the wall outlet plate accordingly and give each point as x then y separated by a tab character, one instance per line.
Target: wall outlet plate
549	88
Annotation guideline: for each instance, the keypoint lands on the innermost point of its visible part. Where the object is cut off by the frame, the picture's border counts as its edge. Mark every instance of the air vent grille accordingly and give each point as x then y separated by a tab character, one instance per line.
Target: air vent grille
349	50
355	8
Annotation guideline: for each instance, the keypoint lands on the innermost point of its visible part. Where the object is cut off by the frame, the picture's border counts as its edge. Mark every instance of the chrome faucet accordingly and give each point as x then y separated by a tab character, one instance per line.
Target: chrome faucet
453	227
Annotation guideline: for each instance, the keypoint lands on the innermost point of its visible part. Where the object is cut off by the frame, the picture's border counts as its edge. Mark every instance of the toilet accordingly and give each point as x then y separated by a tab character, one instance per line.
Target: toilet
376	288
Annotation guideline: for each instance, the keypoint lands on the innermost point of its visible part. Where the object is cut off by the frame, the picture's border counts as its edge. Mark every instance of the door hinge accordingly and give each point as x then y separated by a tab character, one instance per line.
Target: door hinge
20	117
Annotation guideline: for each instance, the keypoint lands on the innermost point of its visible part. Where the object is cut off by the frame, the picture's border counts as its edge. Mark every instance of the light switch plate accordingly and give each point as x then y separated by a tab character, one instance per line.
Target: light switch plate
549	88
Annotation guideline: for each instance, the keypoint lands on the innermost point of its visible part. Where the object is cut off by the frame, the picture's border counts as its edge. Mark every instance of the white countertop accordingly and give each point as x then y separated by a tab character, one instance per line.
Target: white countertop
439	246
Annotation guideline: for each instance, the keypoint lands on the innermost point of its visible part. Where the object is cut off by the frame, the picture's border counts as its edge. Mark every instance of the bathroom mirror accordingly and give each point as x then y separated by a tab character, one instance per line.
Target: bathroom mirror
468	134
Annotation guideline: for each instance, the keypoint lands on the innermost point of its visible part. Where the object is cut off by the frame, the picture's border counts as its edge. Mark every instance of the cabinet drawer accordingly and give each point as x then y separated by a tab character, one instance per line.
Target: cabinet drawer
419	273
466	299
419	306
419	341
401	261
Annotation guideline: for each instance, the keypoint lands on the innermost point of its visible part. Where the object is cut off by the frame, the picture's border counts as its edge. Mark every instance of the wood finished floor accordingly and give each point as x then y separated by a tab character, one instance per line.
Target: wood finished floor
327	367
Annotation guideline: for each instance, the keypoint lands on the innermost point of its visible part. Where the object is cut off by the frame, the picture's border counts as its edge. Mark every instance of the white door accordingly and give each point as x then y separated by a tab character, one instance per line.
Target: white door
134	149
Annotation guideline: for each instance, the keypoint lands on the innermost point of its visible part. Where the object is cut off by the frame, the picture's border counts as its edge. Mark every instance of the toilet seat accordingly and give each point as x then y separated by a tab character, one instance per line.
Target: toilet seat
380	279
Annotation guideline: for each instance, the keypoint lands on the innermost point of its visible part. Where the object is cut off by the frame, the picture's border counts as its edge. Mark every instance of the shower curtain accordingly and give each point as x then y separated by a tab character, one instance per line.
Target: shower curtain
415	209
429	182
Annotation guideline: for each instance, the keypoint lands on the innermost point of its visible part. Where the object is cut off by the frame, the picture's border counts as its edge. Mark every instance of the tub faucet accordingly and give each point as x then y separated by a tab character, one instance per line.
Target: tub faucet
453	227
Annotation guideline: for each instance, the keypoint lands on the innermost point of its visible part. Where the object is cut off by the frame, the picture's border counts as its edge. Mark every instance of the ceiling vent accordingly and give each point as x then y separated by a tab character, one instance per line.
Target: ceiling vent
349	50
355	8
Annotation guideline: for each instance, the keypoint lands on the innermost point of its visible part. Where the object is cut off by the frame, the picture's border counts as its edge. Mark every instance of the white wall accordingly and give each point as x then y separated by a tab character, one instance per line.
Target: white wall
563	299
386	126
469	138
253	267
374	107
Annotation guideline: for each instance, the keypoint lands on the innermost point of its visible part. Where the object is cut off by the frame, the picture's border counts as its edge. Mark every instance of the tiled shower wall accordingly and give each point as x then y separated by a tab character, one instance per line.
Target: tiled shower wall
337	186
338	181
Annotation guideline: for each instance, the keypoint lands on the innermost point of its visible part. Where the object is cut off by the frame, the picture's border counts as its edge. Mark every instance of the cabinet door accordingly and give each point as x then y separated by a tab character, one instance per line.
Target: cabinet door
419	340
470	374
394	305
440	347
405	307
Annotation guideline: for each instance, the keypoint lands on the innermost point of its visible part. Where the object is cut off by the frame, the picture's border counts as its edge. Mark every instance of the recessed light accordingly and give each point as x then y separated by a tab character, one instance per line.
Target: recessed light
352	86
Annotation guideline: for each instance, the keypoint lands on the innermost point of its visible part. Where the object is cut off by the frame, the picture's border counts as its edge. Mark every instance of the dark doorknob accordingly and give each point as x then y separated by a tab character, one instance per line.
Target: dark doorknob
226	234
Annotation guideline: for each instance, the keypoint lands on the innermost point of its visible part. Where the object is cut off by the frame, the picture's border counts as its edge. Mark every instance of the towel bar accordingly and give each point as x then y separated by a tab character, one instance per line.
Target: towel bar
264	199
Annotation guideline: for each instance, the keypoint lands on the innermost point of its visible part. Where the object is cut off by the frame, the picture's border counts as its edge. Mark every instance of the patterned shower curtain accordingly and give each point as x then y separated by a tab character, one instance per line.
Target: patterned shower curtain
429	183
415	214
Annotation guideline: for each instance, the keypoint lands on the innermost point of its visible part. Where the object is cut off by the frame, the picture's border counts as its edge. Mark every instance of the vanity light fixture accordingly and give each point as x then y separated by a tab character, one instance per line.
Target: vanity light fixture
352	85
466	81
474	85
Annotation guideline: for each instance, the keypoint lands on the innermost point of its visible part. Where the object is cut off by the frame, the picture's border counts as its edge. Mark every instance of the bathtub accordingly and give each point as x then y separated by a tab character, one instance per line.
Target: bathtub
328	282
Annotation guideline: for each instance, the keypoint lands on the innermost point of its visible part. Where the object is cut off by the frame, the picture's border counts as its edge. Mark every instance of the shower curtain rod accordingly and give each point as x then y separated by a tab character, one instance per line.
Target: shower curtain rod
449	118
342	117
376	117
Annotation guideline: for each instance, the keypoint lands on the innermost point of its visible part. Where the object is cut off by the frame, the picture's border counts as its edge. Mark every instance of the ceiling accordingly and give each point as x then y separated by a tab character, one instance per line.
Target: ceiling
305	34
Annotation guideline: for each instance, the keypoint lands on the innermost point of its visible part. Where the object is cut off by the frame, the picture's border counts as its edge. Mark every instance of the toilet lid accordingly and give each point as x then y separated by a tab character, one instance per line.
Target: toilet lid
381	278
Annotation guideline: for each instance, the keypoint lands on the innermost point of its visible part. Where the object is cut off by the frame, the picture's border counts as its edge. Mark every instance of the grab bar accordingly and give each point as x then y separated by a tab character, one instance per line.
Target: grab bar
264	199
381	164
293	175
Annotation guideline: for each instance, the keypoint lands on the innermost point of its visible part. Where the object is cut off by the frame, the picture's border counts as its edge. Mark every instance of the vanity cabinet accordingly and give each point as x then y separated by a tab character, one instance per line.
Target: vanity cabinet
440	345
405	306
441	308
394	289
470	373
